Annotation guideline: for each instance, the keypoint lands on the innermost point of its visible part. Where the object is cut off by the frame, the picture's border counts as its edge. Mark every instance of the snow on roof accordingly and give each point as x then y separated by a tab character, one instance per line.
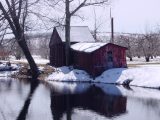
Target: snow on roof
87	47
78	34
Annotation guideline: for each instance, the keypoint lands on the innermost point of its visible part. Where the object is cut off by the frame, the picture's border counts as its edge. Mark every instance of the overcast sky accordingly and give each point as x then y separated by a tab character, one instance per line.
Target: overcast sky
131	16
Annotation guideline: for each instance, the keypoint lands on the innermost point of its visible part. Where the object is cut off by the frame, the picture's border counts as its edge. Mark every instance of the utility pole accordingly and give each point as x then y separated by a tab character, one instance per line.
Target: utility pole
112	27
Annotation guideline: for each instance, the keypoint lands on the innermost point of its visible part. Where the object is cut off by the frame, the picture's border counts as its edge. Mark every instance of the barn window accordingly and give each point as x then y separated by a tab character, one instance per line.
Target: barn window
109	56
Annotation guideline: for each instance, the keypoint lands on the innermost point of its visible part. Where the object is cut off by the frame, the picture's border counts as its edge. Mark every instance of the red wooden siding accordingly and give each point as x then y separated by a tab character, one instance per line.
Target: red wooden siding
82	60
57	50
96	62
57	55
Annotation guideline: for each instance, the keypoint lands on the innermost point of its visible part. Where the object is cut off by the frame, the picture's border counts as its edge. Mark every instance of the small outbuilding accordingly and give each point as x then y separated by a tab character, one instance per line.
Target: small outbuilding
86	54
57	42
95	58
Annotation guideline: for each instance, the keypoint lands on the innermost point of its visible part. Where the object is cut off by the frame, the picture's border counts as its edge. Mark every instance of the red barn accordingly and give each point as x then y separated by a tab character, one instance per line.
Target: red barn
95	58
86	53
57	42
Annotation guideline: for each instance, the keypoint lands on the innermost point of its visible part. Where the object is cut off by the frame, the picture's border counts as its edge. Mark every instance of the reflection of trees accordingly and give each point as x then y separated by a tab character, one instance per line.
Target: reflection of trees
24	111
7	83
151	104
2	114
93	99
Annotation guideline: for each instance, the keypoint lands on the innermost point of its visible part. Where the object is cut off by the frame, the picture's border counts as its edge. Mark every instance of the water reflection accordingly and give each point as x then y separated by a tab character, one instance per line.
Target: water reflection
24	100
34	84
11	99
94	99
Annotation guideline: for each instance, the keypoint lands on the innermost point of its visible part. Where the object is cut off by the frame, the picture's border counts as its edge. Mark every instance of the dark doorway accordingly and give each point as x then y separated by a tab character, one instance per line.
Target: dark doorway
109	59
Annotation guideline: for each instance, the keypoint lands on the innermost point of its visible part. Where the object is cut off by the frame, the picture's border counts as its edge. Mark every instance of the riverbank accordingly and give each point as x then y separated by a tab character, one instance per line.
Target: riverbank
139	74
142	76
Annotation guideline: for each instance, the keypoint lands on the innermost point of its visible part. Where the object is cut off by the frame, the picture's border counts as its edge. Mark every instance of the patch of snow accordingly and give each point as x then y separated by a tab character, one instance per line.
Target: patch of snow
4	67
37	59
65	74
87	47
78	34
63	69
149	65
111	75
142	76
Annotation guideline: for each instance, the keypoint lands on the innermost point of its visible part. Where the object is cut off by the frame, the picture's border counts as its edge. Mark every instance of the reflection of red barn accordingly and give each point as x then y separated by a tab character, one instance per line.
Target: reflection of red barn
94	99
86	53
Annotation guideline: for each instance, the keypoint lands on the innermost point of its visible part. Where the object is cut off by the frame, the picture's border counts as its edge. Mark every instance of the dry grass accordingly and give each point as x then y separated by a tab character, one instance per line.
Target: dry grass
45	72
24	72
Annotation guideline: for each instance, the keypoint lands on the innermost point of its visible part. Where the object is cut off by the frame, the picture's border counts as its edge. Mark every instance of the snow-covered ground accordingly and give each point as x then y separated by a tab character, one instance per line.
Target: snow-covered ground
6	67
137	61
6	71
37	59
69	74
143	76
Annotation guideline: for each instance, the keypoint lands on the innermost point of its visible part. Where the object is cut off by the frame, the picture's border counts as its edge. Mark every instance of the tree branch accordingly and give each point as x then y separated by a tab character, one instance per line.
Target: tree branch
8	18
75	10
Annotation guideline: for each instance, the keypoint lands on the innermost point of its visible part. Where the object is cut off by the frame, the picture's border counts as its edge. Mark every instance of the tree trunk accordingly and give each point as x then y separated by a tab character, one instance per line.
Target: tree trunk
147	59
18	31
139	56
67	33
32	64
130	58
23	113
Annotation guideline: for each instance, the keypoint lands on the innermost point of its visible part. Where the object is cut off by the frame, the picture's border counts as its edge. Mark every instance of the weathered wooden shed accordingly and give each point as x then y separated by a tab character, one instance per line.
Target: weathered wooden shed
57	42
95	58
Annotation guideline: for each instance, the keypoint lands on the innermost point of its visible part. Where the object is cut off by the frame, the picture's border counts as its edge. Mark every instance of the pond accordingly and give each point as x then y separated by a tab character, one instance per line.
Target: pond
24	100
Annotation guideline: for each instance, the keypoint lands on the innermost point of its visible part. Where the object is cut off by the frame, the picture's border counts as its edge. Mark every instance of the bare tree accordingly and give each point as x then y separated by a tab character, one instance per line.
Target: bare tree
15	13
44	47
17	51
127	41
97	25
149	44
40	43
69	13
71	9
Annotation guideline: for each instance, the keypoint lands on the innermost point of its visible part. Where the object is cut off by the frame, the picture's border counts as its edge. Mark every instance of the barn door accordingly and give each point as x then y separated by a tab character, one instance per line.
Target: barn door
109	59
